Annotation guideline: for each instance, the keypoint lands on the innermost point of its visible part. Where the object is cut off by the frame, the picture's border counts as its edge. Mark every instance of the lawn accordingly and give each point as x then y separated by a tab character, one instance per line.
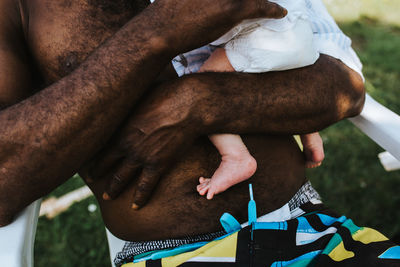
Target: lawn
386	11
351	179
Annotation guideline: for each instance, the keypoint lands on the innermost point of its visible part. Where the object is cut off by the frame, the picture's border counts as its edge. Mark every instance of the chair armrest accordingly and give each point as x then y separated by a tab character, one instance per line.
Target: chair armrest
115	245
17	239
381	124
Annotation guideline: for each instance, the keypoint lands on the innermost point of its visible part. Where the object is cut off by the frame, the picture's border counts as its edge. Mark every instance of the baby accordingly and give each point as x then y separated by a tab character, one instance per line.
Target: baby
259	46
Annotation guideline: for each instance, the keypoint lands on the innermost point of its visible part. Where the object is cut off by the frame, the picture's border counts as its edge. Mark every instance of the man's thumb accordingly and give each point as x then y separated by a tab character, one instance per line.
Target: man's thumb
272	10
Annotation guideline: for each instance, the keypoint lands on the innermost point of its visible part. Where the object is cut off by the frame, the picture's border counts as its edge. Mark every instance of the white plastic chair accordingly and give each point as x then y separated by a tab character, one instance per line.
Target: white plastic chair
17	239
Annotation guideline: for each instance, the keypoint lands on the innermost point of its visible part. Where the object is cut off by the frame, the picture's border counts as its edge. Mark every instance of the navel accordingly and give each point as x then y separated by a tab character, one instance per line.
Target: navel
68	62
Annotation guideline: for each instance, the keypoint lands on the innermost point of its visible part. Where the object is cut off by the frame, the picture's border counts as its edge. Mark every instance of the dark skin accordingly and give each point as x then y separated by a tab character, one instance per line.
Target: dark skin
93	61
75	73
156	124
179	111
184	212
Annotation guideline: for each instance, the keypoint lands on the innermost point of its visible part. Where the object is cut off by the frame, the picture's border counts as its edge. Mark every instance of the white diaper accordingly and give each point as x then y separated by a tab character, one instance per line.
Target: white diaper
262	45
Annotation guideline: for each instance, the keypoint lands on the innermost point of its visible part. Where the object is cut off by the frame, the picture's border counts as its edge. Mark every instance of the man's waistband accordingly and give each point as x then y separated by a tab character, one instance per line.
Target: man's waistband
289	211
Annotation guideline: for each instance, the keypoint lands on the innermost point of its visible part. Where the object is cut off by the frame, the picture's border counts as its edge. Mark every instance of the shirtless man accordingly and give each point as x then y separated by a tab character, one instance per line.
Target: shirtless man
71	71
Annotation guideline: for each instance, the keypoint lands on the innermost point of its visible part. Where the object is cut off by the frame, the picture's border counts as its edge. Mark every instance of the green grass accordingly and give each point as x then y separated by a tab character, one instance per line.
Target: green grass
386	11
351	179
74	238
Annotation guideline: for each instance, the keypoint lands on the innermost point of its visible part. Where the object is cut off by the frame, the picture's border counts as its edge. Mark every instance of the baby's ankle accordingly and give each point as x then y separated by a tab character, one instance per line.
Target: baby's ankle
244	161
237	155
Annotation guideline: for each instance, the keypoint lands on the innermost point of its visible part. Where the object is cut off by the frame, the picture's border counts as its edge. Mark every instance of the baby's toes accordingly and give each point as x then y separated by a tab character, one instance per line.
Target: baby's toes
310	164
210	194
203	180
203	191
202	188
199	187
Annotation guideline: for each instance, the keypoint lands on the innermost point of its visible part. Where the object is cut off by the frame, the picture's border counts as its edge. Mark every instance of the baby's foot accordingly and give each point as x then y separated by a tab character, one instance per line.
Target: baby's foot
313	149
232	170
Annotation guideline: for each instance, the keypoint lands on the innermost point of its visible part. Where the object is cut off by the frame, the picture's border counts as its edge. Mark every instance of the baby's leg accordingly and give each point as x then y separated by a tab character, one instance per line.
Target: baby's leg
313	149
217	62
236	166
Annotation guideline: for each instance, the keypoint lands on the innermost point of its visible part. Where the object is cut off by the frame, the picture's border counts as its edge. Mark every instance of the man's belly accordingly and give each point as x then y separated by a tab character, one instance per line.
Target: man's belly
176	209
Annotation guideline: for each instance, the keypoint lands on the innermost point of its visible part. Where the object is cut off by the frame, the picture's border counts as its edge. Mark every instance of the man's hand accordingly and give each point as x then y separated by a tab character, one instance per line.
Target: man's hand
150	142
191	21
180	111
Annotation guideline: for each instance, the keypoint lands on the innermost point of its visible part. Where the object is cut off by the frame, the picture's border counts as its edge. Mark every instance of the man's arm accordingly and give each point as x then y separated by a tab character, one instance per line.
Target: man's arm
289	102
295	101
45	138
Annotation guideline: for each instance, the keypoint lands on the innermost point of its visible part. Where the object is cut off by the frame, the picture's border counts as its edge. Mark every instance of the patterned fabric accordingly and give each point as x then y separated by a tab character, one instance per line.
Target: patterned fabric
191	62
131	249
328	39
318	238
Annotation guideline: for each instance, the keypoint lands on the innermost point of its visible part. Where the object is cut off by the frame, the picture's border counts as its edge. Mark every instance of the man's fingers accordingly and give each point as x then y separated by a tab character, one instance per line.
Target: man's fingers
147	182
120	178
103	164
84	174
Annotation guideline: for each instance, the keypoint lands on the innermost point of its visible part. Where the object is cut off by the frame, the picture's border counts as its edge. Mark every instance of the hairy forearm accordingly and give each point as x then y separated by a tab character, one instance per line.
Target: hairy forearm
45	138
289	102
177	112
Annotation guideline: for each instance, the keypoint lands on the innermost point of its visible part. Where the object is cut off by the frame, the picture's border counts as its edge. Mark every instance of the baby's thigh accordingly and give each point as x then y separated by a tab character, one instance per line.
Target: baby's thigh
217	62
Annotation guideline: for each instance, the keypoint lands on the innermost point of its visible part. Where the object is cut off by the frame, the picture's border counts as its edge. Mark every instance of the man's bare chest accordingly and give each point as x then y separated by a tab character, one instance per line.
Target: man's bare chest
61	34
